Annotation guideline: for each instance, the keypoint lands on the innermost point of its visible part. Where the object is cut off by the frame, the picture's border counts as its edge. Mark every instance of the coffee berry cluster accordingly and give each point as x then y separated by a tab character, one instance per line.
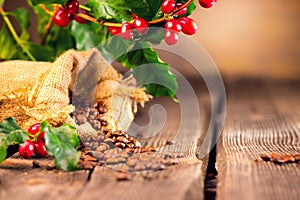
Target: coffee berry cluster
174	20
63	16
34	144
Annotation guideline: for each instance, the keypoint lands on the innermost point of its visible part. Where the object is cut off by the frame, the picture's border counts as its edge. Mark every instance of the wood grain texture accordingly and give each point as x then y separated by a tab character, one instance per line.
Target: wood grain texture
18	179
182	181
261	118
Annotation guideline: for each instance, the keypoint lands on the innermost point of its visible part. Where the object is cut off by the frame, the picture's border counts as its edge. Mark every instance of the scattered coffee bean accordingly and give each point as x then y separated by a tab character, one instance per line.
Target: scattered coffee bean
36	164
112	160
280	159
140	166
152	148
265	157
297	157
170	142
123	176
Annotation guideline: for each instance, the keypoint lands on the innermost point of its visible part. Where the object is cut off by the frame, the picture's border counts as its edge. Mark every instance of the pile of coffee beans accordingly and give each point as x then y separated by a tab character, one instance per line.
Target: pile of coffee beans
281	159
92	113
116	148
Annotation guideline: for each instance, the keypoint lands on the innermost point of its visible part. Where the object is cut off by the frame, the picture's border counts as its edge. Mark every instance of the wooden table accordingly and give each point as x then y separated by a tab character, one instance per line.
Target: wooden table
262	117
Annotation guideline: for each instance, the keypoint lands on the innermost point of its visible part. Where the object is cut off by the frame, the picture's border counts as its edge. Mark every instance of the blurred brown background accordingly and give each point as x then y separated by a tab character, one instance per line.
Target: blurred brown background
245	38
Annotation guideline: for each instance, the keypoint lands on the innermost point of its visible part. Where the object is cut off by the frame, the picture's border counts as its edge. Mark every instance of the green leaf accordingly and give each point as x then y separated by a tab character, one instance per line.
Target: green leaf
9	48
147	68
147	9
191	8
87	35
40	52
8	125
3	151
110	10
61	143
42	18
153	73
10	134
22	16
154	36
36	2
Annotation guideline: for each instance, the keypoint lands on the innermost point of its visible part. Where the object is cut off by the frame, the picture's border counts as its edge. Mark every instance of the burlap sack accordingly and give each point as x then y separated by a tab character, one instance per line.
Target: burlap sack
36	91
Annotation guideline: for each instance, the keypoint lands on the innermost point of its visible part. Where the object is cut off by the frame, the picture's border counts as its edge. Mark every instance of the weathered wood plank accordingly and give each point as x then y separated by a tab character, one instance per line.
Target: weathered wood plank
19	180
182	181
261	118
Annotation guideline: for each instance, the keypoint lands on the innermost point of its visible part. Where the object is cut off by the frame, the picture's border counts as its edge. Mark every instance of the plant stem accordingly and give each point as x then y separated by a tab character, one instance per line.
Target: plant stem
85	8
48	28
182	7
15	35
112	24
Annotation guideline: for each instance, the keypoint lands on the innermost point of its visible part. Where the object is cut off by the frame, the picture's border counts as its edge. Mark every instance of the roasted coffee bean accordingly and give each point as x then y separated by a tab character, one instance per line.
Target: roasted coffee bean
174	161
136	143
108	140
120	144
87	110
137	150
123	176
101	118
81	112
108	134
287	159
151	148
124	154
140	166
87	144
81	119
104	123
170	142
132	162
100	138
94	145
122	159
297	157
157	166
177	155
265	157
117	133
122	139
130	145
99	155
129	149
275	157
102	109
101	148
111	160
144	149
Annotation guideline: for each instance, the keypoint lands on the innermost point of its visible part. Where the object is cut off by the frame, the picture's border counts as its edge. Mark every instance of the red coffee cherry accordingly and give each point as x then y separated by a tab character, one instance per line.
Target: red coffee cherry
141	26
183	11
114	30
171	37
168	6
207	3
40	149
26	149
80	19
189	26
72	6
62	17
126	31
173	24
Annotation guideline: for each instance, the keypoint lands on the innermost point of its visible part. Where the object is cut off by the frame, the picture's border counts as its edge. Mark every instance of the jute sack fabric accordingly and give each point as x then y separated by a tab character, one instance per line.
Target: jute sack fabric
36	91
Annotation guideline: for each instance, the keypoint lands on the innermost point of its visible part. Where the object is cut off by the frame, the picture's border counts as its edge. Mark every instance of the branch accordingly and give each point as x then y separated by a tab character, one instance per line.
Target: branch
15	35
